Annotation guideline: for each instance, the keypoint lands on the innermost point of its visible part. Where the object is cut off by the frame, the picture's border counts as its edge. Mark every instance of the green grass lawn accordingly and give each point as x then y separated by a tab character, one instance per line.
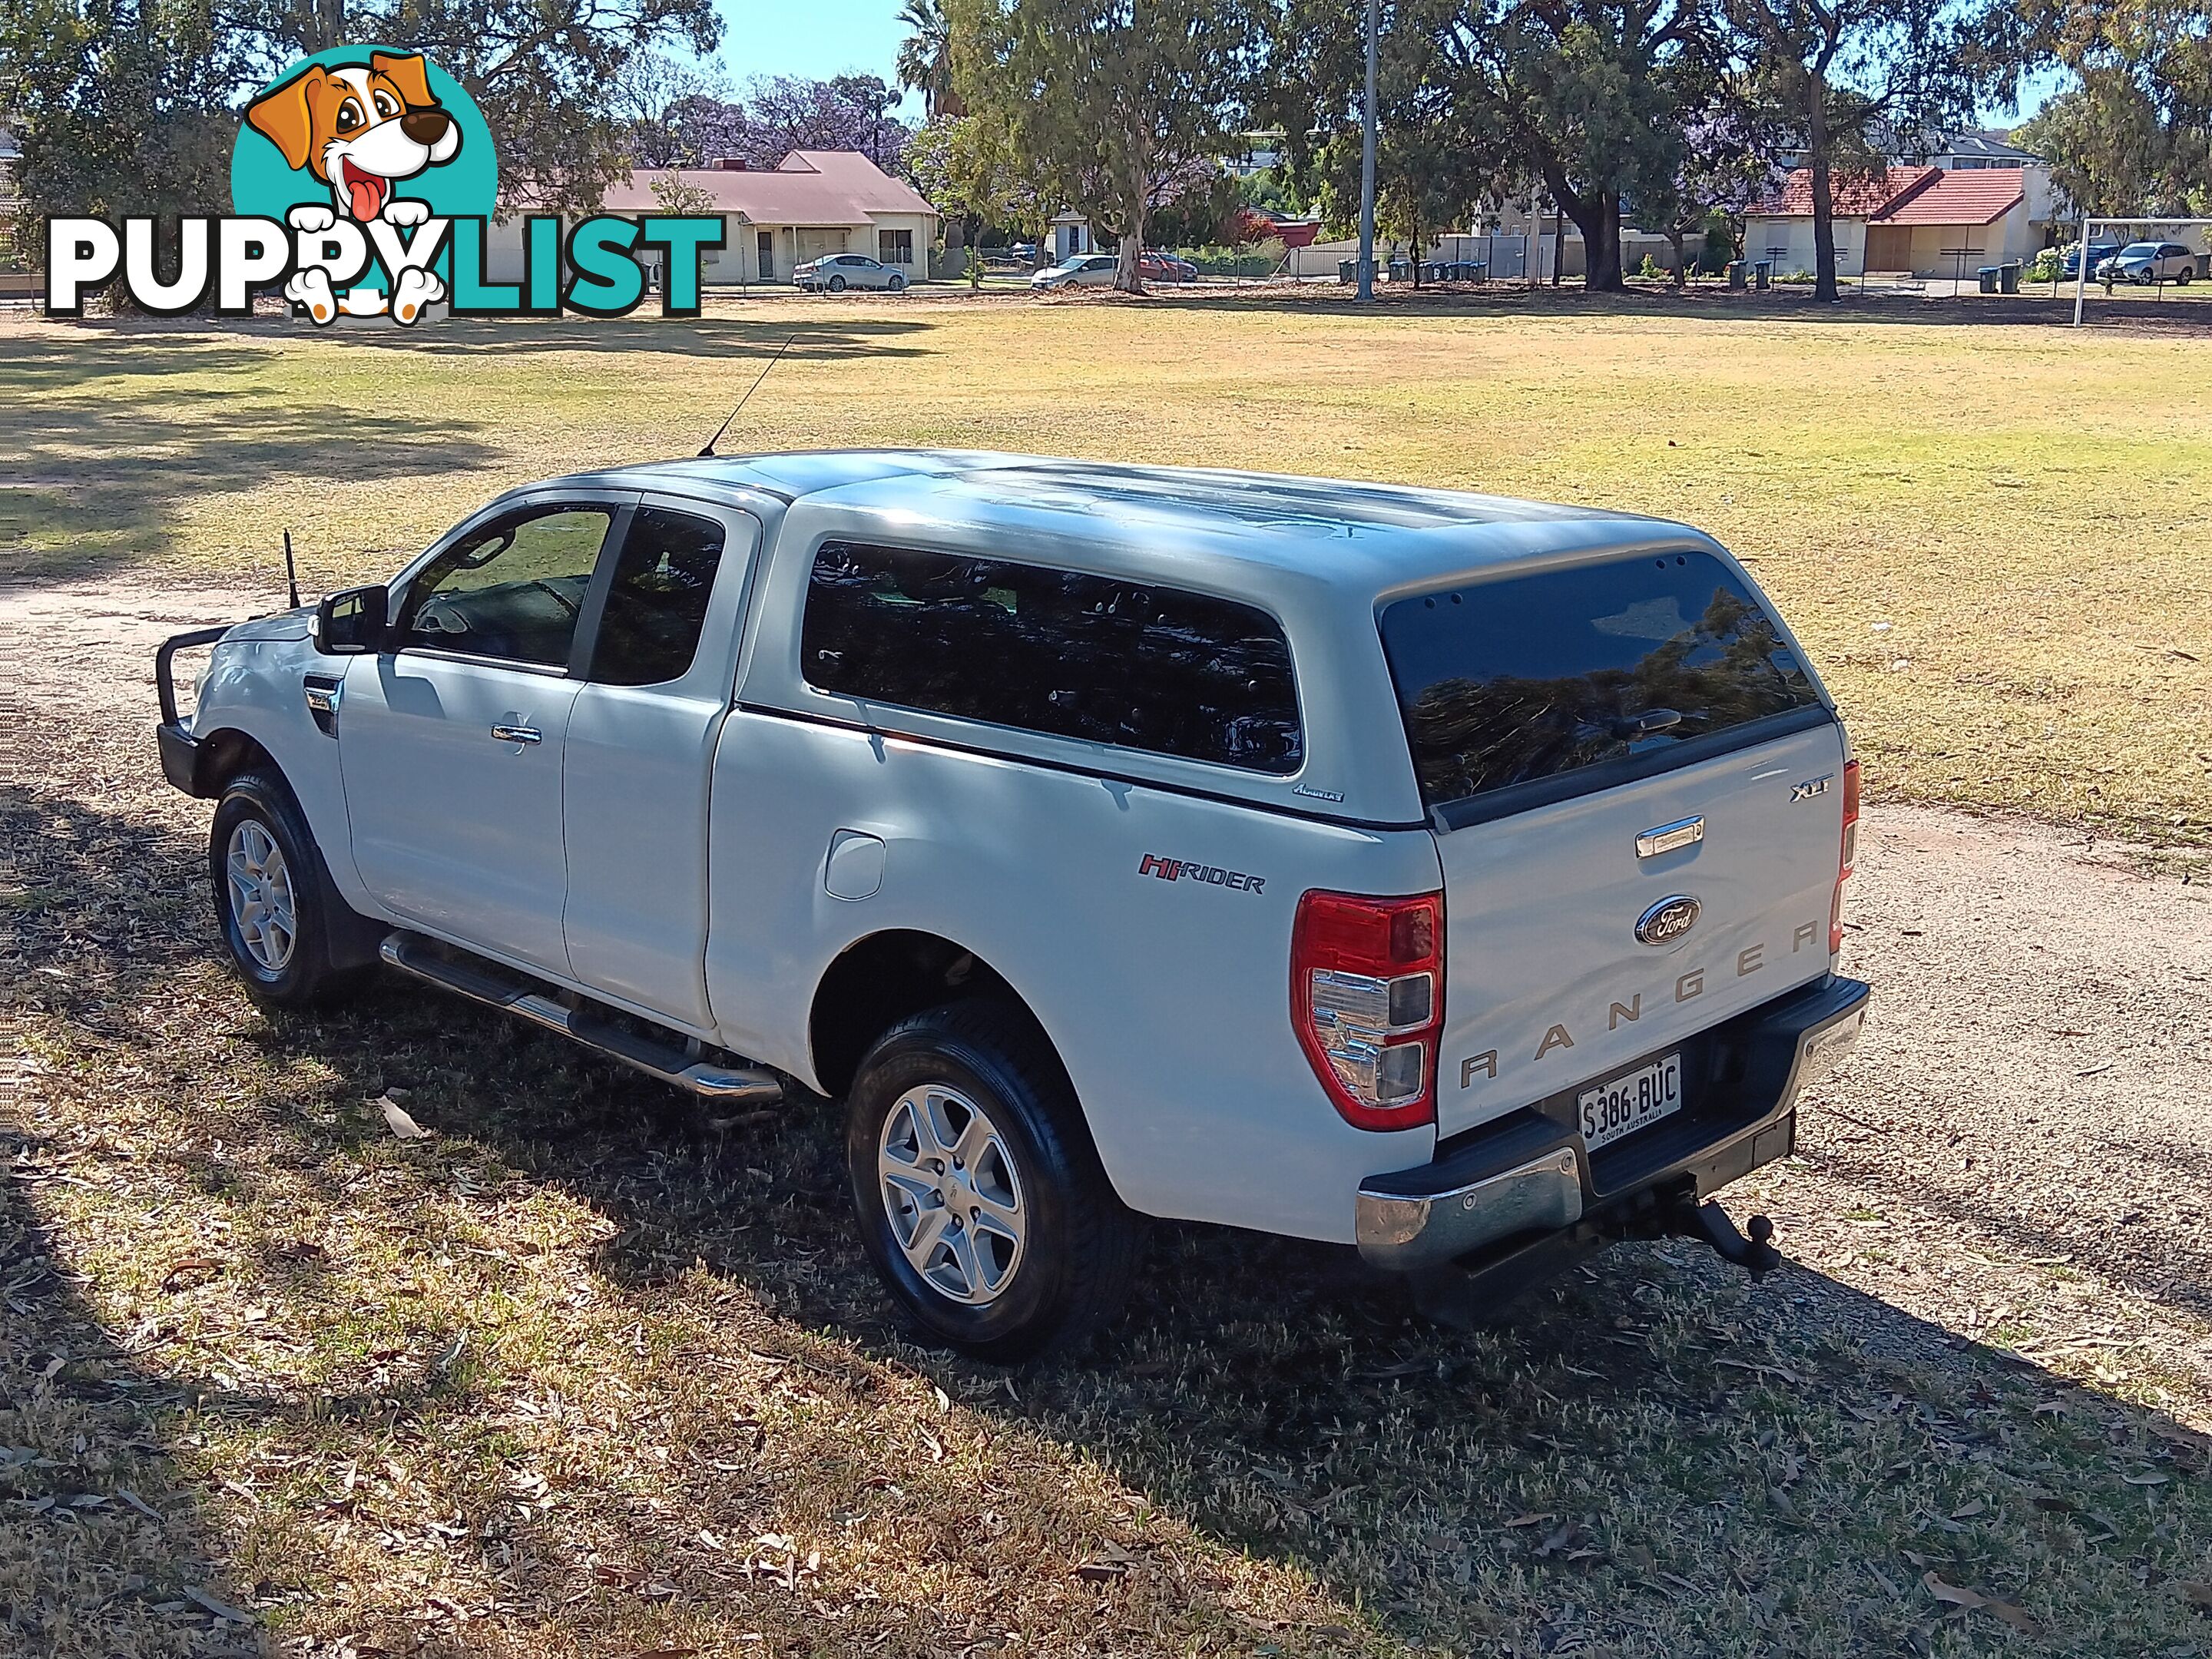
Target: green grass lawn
1996	541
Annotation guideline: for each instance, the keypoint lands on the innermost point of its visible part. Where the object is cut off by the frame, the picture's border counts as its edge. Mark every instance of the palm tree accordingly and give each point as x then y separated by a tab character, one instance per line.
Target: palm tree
925	56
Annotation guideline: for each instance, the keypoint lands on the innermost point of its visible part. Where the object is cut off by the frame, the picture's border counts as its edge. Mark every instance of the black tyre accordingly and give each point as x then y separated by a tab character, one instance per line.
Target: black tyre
2188	276
897	284
981	1201
836	284
273	896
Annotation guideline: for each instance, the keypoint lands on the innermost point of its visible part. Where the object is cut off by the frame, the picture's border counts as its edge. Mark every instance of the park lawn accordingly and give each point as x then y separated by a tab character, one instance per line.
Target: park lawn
1996	541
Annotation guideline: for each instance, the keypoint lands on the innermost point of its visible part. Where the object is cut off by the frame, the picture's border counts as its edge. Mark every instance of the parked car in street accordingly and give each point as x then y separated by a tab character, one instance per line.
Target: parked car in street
1078	270
2070	261
1155	266
1456	878
2151	261
838	272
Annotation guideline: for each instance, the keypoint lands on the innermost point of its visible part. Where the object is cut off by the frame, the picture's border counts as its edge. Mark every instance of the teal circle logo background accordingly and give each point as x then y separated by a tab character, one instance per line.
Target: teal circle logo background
261	184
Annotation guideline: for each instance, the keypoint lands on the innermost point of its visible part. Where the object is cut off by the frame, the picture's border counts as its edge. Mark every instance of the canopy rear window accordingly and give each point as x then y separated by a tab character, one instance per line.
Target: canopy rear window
1535	688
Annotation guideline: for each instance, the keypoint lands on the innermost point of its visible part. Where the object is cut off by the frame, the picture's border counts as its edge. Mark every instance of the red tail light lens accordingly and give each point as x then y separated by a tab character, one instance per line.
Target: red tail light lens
1847	858
1367	997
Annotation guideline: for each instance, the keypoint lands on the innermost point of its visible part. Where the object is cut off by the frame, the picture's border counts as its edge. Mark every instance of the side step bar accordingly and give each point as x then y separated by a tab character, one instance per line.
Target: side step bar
734	1086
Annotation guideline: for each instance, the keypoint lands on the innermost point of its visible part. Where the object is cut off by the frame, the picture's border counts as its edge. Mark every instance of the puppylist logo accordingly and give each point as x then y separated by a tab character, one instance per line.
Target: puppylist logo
364	184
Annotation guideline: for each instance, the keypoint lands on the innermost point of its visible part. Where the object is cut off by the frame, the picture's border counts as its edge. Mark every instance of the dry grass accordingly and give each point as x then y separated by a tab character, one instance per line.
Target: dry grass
1994	539
583	1374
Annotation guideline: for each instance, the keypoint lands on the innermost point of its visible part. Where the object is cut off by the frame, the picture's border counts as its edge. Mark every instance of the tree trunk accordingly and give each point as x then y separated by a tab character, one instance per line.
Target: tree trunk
1824	200
1598	217
971	233
1675	237
1127	277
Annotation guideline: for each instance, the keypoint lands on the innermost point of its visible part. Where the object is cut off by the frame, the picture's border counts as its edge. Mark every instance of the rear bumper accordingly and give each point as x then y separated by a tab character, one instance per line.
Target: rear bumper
1528	1173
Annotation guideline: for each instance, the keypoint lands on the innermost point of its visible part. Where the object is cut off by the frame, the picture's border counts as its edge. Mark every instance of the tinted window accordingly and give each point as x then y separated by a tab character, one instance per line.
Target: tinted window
657	607
1511	682
513	591
1054	650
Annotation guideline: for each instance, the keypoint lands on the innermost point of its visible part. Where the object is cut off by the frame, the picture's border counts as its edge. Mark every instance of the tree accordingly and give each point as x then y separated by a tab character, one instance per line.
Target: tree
121	106
1585	90
649	97
1434	163
2134	135
1726	167
973	172
784	113
1114	100
1846	74
924	58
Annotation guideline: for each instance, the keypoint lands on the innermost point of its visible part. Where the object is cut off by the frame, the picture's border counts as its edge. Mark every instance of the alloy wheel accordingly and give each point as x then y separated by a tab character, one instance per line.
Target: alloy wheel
954	1198
260	888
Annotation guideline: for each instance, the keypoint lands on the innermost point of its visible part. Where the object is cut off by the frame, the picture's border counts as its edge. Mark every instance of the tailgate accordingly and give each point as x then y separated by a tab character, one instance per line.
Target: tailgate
1546	982
1557	715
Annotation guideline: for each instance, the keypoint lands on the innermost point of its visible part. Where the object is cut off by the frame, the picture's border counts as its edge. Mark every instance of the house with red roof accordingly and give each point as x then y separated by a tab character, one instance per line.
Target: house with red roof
1920	221
813	203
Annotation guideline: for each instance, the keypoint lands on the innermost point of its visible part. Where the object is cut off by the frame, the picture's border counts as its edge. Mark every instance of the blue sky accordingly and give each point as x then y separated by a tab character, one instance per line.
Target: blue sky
815	38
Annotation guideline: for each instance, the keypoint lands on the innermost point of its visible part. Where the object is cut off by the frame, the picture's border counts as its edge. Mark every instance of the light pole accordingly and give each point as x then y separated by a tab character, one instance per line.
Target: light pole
1367	164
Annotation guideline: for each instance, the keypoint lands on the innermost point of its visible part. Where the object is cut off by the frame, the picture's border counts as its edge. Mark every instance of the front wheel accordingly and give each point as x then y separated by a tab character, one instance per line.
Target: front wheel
898	283
980	1199
270	894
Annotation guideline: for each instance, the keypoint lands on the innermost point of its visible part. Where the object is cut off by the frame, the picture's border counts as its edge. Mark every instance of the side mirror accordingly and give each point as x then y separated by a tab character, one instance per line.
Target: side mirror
351	623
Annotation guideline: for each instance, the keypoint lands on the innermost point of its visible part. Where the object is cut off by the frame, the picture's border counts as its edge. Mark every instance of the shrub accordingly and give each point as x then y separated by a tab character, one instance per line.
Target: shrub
1651	267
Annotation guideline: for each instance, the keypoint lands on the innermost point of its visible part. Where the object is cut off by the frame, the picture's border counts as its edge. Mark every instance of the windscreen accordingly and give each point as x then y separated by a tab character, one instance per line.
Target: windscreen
1540	686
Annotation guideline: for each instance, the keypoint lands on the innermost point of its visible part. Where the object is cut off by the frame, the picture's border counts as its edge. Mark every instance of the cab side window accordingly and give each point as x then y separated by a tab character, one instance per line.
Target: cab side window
513	591
657	608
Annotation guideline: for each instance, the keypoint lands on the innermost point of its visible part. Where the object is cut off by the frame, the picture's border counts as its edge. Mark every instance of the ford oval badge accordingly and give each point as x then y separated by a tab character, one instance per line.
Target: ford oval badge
1668	920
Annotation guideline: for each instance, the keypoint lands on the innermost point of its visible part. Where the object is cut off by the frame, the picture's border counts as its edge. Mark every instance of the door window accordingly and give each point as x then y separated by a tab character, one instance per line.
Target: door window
657	607
1054	650
512	591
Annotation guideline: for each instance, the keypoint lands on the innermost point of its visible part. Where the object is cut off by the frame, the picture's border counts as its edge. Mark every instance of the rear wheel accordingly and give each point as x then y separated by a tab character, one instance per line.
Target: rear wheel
272	894
981	1198
2188	276
836	284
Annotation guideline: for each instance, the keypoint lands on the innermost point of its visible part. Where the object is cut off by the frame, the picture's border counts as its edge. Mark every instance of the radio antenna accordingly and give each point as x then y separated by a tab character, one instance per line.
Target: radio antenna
708	453
291	573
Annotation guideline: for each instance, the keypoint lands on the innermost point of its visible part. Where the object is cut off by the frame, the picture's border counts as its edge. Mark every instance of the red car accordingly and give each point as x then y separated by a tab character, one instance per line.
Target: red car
1153	266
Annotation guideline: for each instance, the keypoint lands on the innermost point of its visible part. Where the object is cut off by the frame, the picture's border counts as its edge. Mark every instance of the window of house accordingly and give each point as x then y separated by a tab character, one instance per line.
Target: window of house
657	605
895	247
512	590
1054	650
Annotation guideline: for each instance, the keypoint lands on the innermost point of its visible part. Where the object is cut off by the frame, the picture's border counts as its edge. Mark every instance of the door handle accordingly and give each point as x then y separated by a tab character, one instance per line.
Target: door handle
517	734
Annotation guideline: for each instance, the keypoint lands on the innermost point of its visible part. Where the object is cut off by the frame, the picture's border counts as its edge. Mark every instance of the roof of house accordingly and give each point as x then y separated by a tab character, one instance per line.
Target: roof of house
1988	146
1978	197
1854	198
807	187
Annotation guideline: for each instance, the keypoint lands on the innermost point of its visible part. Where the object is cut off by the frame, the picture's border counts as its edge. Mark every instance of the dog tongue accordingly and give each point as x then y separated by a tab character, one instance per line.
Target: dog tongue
366	191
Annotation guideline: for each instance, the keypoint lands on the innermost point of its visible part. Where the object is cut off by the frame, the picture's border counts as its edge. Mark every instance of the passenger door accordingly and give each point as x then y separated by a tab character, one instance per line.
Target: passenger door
641	750
451	741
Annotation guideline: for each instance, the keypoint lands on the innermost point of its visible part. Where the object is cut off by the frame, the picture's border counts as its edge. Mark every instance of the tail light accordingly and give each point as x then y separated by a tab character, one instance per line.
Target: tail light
1847	857
1367	997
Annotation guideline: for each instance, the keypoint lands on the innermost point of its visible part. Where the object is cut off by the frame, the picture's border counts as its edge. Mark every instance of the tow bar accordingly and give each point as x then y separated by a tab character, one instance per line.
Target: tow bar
1710	1223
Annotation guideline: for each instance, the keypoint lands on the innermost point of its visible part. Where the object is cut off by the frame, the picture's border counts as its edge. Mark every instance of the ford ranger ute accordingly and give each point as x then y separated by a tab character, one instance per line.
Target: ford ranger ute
1453	878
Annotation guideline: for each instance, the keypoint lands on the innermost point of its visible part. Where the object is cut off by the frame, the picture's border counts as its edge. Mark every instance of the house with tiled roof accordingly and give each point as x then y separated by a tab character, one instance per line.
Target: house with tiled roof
1920	221
812	203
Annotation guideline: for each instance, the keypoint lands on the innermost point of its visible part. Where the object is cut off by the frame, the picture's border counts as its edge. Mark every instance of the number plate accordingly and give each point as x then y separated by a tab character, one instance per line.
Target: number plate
1622	1105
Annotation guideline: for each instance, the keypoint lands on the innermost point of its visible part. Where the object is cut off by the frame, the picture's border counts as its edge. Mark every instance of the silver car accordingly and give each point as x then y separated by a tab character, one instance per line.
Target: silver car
839	272
2151	261
1079	270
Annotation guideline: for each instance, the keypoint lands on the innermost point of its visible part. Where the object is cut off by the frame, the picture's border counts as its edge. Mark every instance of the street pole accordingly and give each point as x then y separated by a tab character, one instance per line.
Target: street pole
1367	164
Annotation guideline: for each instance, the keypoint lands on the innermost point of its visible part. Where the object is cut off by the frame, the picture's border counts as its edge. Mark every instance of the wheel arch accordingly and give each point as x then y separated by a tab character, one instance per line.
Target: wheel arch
228	753
884	977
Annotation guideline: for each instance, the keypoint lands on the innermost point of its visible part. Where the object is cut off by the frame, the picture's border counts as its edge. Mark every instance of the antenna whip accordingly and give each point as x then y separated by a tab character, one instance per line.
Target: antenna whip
291	573
708	453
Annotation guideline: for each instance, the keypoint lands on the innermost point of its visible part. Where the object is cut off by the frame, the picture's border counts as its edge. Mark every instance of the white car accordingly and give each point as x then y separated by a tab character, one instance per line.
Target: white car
1453	878
838	272
2146	263
1079	270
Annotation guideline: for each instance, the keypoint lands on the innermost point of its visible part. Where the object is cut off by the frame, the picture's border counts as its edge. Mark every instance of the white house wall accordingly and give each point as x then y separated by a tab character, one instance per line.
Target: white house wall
1788	243
738	260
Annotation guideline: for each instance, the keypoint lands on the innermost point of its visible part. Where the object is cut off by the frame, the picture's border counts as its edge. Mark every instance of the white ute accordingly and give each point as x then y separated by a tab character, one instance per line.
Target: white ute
1454	878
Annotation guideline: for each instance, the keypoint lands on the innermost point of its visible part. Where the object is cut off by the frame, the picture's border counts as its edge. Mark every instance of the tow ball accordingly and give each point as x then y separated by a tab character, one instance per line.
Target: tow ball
1710	1223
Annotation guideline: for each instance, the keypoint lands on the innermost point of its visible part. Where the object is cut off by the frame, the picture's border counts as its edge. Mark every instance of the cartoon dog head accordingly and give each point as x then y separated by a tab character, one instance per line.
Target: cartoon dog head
359	130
